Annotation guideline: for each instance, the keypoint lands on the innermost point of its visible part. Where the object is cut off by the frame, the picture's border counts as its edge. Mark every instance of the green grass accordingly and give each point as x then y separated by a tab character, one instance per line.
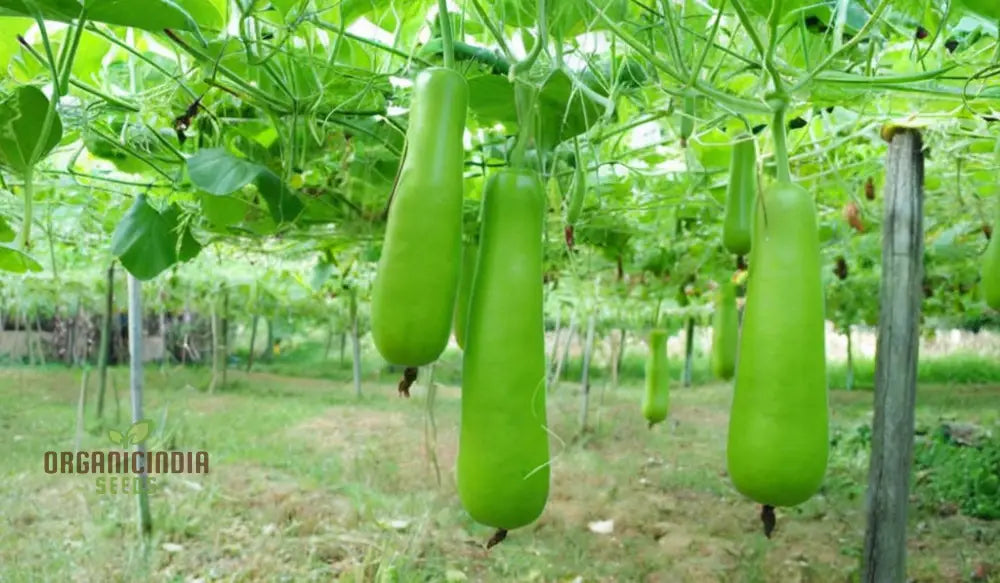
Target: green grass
307	359
954	369
308	483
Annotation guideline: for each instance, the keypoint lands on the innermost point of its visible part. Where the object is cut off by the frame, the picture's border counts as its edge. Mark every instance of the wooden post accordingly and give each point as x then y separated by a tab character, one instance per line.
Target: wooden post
70	356
38	339
165	357
214	325
585	375
555	342
28	342
850	361
896	361
329	341
563	353
616	358
104	351
224	328
253	341
688	352
269	349
355	344
135	375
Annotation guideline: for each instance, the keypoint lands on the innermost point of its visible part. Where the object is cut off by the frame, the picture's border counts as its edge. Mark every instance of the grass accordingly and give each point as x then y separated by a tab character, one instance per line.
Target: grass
308	483
307	359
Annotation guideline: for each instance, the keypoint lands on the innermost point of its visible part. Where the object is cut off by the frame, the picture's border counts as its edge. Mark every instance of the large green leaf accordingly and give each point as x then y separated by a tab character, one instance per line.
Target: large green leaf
284	205
6	233
223	211
564	112
51	9
144	241
565	17
154	15
22	118
205	12
188	247
17	261
9	29
216	171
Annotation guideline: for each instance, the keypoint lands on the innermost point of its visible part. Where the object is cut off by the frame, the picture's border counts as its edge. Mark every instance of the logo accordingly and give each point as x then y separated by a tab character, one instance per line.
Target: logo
124	471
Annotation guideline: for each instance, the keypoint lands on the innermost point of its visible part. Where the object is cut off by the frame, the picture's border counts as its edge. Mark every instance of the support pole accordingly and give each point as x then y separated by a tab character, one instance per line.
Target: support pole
135	374
896	361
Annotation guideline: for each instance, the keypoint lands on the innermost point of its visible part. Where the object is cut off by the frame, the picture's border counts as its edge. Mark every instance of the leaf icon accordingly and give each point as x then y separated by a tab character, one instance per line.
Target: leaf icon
139	431
115	437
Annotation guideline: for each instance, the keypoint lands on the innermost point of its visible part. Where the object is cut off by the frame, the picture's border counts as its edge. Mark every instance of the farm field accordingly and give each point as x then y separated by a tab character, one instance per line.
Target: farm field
307	483
570	291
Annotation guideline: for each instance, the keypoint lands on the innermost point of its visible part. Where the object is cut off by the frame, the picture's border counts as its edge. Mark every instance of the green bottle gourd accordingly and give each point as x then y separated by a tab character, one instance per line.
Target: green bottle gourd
413	295
656	400
740	195
687	119
778	427
578	192
469	252
503	450
725	332
991	269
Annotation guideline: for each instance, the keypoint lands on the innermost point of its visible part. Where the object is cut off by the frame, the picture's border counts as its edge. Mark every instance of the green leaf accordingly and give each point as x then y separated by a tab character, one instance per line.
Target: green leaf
144	241
189	246
9	29
7	234
17	261
223	211
22	116
152	15
139	431
115	437
281	201
204	12
51	9
216	171
491	99
321	274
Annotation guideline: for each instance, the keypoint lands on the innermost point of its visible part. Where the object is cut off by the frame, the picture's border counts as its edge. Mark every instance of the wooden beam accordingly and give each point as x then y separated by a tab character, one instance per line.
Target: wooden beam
896	354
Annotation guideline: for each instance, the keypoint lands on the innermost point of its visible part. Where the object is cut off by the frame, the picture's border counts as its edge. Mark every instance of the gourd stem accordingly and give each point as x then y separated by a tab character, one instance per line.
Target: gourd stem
525	97
536	50
780	145
447	42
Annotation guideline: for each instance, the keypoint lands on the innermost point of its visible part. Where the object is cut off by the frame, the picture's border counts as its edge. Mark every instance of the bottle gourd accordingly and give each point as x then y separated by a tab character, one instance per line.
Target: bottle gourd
778	426
725	332
413	295
740	195
503	451
656	400
991	269
578	192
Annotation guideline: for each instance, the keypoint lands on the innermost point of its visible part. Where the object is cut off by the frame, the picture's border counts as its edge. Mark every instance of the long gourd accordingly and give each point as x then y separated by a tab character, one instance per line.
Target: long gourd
656	399
413	295
503	452
991	269
725	332
740	195
778	429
